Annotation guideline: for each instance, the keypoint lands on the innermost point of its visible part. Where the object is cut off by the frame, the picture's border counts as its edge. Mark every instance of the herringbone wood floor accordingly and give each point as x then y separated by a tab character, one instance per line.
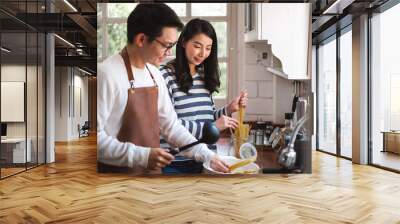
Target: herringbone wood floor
71	191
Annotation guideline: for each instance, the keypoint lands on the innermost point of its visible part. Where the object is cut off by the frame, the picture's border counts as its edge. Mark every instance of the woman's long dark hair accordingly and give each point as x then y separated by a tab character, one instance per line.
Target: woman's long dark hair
209	66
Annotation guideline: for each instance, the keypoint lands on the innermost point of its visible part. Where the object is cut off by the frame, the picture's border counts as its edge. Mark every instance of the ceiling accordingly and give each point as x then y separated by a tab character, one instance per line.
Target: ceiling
328	16
74	21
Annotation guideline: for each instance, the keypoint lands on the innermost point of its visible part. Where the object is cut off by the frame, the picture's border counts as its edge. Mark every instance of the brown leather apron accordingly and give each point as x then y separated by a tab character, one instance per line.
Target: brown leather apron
140	119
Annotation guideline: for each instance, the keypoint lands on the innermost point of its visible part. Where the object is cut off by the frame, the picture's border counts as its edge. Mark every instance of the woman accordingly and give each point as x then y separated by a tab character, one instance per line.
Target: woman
192	77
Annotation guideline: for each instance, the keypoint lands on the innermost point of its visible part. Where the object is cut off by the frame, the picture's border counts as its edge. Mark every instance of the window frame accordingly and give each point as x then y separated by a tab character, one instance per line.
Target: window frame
334	37
371	15
105	20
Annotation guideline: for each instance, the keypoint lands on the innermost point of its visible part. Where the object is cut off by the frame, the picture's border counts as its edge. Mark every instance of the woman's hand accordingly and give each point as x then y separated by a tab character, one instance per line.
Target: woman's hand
240	100
225	122
218	165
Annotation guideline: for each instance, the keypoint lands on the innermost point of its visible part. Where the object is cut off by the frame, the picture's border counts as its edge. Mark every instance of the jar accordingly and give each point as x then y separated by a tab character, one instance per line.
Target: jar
252	137
261	125
259	137
289	120
268	131
266	138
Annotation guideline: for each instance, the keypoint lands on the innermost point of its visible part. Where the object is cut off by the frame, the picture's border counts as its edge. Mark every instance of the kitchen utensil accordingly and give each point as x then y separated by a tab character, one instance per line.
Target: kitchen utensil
287	156
276	140
275	133
210	135
295	97
301	107
294	103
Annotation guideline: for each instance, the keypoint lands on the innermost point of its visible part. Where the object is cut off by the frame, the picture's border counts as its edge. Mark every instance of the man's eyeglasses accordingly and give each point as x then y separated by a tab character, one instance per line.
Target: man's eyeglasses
167	47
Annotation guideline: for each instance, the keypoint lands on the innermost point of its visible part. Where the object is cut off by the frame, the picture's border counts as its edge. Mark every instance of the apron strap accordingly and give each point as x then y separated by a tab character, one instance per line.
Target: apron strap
125	56
151	74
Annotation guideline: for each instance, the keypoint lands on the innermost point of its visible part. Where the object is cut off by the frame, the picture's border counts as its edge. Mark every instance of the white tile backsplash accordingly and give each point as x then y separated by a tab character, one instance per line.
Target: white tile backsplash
269	96
249	117
259	106
265	117
256	73
265	89
252	88
251	55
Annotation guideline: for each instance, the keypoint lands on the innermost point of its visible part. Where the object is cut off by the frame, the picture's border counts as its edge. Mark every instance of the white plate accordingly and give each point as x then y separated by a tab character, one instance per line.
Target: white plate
252	167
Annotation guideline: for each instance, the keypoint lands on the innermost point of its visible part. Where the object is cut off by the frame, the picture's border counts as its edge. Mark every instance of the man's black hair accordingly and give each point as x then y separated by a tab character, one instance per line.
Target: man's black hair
150	19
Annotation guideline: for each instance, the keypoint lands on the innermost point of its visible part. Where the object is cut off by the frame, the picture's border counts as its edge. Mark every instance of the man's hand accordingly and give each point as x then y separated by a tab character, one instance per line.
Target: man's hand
218	165
159	158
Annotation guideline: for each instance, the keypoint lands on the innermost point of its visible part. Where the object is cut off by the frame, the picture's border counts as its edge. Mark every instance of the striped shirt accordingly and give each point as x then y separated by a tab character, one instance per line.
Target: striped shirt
193	108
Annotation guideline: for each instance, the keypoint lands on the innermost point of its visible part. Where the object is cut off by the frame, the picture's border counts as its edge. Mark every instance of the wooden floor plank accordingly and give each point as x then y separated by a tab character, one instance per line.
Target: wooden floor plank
71	191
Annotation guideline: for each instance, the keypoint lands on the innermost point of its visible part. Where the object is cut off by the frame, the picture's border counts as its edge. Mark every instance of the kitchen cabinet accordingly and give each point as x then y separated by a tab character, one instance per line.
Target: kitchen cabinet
287	28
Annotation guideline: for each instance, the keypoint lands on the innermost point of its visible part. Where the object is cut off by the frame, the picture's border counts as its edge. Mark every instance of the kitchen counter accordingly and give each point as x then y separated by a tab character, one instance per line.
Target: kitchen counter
266	158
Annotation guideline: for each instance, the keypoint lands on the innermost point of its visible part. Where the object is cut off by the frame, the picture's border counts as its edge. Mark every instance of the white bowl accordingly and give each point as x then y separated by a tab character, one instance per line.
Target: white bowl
247	150
251	168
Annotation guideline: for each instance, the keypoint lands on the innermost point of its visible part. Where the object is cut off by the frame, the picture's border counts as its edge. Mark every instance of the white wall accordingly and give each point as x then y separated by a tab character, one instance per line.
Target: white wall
17	73
14	73
283	98
260	86
269	96
79	117
62	81
70	84
33	127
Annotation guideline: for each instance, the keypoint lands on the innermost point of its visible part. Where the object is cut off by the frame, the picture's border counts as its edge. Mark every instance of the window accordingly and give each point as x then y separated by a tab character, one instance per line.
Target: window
346	93
394	101
385	87
22	79
327	96
111	31
334	94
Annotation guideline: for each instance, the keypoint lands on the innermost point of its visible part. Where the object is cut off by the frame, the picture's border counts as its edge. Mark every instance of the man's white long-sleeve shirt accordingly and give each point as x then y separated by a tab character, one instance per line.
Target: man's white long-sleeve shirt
112	96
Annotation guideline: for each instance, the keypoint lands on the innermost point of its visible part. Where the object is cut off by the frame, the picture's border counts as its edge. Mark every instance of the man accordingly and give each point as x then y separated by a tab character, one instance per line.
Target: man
132	100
